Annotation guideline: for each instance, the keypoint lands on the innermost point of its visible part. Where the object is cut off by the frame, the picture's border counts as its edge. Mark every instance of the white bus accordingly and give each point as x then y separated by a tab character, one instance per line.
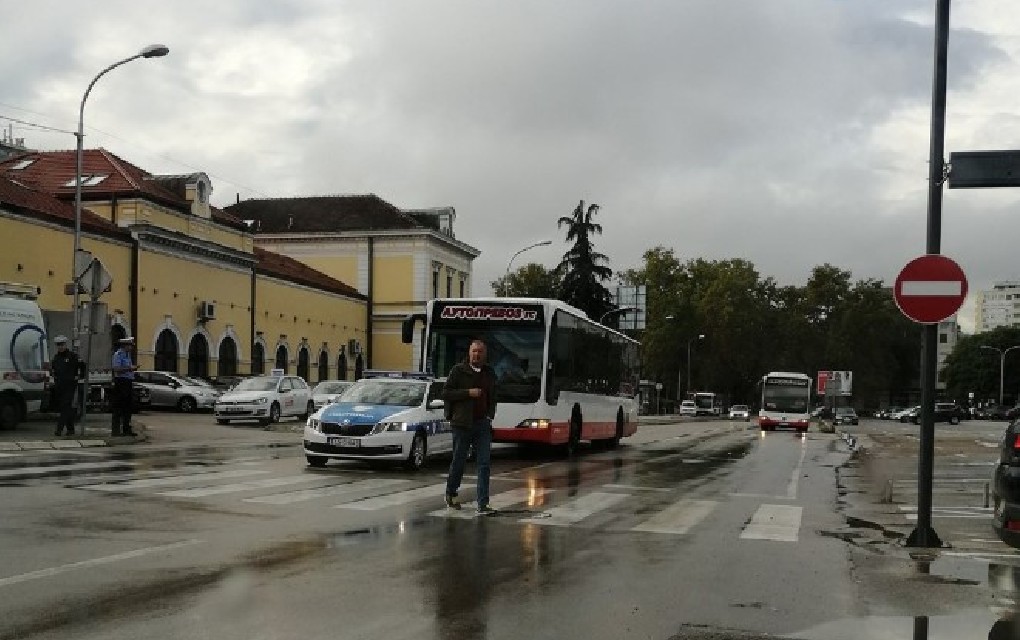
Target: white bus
561	377
707	403
785	401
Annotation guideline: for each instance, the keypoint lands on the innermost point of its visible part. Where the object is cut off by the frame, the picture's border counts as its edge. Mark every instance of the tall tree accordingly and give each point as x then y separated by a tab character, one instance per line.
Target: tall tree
582	269
529	281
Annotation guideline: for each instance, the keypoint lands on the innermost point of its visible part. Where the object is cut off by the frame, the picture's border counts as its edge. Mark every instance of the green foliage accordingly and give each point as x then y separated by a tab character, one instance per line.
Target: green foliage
582	269
972	369
530	281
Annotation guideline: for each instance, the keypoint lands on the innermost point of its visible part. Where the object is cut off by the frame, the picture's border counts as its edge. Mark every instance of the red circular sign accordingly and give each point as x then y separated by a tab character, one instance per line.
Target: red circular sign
930	288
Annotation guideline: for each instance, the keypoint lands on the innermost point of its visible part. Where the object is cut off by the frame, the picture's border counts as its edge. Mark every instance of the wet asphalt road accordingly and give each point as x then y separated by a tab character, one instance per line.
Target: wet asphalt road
684	529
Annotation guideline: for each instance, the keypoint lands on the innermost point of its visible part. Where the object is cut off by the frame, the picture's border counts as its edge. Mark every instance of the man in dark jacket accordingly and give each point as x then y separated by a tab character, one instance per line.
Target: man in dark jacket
66	367
470	392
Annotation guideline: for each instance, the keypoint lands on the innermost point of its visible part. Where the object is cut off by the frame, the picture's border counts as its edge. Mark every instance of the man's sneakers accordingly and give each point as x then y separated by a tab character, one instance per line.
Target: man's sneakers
486	510
452	502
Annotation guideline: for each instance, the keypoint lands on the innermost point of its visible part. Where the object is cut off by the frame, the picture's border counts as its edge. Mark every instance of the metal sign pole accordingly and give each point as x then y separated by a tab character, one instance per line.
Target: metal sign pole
924	535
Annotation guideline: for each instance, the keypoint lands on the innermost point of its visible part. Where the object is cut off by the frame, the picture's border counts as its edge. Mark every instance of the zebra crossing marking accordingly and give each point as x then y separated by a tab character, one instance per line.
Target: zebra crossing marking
678	518
578	509
395	499
170	481
302	495
774	522
250	485
500	501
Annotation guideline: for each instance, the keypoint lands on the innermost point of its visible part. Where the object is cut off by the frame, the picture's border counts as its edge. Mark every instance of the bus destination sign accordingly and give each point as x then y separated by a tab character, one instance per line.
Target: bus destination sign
489	313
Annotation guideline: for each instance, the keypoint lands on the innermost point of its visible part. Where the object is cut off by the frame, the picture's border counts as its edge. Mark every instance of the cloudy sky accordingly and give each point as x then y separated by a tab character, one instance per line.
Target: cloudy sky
786	132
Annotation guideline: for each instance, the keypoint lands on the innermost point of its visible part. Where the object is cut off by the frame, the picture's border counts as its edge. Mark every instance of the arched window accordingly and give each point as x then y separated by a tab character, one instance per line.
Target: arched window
323	365
198	357
281	358
166	352
341	367
228	358
359	367
258	359
302	363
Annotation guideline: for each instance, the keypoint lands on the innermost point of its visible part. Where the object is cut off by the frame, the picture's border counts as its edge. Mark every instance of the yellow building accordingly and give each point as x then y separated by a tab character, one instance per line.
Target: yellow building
398	258
188	281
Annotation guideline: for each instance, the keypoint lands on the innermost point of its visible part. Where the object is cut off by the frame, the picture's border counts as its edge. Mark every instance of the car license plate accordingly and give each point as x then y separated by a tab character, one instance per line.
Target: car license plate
232	410
344	442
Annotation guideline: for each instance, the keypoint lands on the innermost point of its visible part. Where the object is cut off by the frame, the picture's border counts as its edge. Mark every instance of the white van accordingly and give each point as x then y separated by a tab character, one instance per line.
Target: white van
24	361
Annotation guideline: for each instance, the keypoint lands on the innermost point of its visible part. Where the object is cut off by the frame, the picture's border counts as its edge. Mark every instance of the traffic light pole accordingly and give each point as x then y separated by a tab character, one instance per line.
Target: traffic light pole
924	535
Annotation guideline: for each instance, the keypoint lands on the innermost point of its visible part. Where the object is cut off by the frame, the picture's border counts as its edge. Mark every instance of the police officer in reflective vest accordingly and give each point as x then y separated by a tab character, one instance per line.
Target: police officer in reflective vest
123	388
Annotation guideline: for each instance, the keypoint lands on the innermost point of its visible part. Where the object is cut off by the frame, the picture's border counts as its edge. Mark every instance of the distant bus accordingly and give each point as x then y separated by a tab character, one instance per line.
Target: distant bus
561	377
785	401
707	403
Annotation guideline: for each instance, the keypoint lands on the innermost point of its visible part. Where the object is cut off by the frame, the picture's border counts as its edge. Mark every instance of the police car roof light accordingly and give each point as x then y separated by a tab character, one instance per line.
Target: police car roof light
381	373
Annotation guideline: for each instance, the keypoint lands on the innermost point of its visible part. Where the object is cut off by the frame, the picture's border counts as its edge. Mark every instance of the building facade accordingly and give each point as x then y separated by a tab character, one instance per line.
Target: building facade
187	279
949	335
999	307
398	259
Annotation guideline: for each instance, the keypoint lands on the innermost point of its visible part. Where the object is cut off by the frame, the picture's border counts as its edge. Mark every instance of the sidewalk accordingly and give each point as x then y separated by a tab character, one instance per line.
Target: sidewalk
36	432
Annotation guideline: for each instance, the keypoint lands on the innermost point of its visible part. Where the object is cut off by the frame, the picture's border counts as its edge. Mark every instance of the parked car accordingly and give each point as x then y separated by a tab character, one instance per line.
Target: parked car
907	415
1005	487
328	391
996	412
177	391
399	419
266	399
944	412
844	415
688	408
740	412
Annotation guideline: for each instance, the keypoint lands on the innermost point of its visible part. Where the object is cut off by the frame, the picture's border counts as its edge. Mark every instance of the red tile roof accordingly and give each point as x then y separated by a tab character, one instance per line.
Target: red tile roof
281	266
311	214
38	204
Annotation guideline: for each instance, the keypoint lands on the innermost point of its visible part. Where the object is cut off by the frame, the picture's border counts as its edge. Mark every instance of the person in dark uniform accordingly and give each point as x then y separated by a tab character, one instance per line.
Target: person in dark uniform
66	368
123	388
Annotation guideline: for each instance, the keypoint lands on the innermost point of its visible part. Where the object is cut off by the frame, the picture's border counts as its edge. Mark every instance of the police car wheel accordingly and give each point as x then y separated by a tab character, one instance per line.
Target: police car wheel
416	457
316	461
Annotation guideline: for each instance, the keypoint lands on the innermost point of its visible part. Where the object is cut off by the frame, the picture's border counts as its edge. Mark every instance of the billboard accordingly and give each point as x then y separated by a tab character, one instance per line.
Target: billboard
635	297
835	383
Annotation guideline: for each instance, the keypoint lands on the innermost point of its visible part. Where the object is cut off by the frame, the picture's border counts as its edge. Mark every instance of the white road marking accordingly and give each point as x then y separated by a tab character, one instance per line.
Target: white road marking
395	499
760	496
202	492
931	288
634	487
53	571
77	466
577	510
678	518
775	522
503	500
791	488
321	492
170	481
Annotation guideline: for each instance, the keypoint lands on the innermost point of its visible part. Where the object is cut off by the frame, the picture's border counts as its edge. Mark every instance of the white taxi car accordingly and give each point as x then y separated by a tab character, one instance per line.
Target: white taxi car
688	408
740	412
394	416
266	399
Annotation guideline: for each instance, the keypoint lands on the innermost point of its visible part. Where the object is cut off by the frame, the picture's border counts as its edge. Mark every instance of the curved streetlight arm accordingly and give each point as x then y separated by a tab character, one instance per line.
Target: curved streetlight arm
543	243
620	310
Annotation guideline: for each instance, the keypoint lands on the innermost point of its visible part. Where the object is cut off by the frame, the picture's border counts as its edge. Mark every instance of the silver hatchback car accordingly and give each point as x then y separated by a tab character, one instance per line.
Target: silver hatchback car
176	391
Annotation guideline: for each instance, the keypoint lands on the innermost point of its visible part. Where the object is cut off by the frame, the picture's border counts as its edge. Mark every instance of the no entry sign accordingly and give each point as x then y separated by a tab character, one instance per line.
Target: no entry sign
930	288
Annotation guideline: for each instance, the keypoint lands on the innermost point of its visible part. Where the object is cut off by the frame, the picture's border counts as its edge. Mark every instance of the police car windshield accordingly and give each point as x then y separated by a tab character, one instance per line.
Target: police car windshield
257	384
401	394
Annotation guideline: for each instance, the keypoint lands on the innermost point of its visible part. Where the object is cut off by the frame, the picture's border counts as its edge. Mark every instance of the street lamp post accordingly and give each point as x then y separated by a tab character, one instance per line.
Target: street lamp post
151	51
543	243
700	336
1002	364
622	310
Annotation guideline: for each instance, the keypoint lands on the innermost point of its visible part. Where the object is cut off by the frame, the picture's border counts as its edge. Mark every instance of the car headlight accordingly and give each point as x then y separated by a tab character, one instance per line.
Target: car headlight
261	400
313	424
534	423
388	426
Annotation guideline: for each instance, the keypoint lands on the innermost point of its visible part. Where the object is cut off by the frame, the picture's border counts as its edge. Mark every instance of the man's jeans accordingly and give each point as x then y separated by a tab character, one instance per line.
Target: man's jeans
480	435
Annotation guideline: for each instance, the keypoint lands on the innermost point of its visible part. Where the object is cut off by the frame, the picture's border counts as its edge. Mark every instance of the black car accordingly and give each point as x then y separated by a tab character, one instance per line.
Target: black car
1006	488
944	412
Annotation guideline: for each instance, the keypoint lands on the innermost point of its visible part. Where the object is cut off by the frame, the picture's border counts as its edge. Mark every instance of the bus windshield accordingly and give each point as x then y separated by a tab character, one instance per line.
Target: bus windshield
515	353
785	398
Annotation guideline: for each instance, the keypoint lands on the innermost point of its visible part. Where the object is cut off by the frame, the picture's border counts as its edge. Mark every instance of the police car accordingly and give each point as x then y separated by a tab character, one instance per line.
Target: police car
266	399
393	416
